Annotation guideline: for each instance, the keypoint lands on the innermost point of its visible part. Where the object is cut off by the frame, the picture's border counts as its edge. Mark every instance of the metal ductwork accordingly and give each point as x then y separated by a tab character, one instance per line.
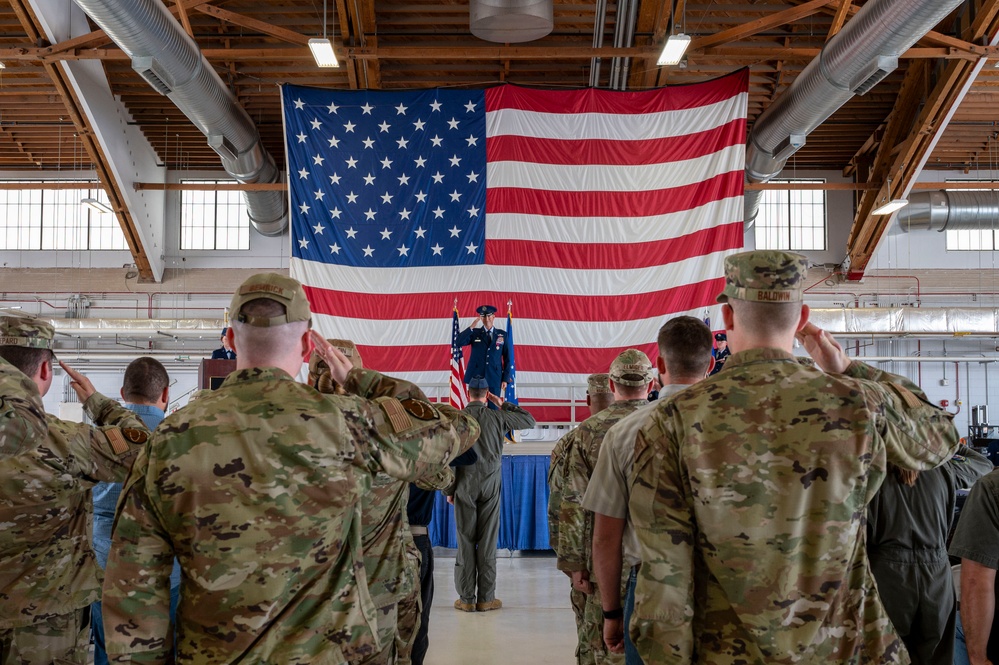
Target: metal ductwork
510	21
169	60
950	211
907	321
851	63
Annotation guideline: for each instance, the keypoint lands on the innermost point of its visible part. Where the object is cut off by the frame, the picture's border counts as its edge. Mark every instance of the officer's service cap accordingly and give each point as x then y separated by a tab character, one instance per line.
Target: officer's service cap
478	383
632	368
27	332
597	384
272	286
483	310
721	337
765	276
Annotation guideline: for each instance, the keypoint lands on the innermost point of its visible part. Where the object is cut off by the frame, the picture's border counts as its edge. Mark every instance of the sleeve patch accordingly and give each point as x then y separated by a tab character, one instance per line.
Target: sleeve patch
420	409
117	441
396	414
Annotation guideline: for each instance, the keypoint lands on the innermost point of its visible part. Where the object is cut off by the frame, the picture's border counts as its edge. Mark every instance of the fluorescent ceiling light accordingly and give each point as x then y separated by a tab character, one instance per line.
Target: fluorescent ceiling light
322	51
674	49
890	207
3	66
102	208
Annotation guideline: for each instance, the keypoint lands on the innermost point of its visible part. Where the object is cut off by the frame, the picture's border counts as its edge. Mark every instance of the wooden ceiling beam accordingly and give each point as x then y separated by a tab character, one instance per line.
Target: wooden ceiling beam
839	18
902	154
759	25
263	27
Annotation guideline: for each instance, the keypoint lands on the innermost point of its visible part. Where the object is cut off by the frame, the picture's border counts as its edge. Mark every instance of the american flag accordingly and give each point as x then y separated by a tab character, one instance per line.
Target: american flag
458	397
599	213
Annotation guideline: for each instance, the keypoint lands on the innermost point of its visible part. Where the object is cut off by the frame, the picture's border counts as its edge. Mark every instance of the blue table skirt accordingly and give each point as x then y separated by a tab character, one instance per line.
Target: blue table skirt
523	507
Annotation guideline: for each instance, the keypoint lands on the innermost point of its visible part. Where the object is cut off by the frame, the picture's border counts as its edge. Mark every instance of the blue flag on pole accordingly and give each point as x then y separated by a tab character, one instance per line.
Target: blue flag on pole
511	385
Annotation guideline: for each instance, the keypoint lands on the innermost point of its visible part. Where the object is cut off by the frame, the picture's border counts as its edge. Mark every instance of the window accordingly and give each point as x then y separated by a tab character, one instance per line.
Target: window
792	219
972	240
37	219
213	219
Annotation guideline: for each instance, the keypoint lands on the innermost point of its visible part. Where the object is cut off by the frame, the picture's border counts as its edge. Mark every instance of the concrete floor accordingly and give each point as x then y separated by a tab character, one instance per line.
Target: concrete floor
534	626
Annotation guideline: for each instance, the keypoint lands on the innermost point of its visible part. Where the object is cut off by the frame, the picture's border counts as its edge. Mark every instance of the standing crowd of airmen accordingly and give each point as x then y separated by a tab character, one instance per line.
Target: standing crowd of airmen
723	524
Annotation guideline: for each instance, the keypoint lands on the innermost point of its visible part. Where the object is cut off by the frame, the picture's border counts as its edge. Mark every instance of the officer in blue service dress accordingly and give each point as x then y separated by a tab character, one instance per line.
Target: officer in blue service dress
490	353
225	351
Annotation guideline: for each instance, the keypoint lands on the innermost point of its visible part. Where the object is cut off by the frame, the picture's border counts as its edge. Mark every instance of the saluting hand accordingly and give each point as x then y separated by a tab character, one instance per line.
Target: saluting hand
339	364
80	384
823	348
495	399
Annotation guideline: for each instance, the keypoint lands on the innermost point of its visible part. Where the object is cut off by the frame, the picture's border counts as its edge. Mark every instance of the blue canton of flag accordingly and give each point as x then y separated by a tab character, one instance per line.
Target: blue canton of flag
387	179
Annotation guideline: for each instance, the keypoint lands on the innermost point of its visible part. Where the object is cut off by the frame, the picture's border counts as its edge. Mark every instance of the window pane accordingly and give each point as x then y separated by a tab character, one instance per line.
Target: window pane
56	219
213	219
792	219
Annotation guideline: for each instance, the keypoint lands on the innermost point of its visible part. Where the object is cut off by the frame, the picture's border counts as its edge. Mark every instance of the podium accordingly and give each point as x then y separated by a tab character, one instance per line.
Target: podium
212	373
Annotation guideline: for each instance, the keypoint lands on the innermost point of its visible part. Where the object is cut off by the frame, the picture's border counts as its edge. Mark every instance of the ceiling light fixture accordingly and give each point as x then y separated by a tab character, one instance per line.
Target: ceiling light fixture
890	207
93	203
3	66
322	49
674	49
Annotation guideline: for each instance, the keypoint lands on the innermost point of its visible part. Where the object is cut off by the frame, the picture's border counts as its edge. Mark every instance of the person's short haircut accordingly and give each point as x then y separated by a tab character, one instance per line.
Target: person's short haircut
145	380
766	317
685	344
478	393
26	359
267	341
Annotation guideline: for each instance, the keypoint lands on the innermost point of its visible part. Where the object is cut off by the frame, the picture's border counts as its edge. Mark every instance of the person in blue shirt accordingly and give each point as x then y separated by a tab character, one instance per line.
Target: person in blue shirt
146	391
225	351
490	356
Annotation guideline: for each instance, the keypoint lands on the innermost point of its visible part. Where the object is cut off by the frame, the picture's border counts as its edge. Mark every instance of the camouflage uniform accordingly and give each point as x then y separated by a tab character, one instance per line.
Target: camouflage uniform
48	573
557	472
391	560
748	494
22	416
575	539
257	490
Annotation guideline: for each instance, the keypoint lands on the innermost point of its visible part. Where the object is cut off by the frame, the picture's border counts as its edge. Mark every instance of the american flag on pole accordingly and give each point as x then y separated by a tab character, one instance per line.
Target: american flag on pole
600	213
458	396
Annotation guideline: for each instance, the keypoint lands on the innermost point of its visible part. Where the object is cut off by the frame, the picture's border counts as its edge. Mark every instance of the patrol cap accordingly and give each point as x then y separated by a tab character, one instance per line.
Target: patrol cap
478	383
632	368
272	286
346	347
764	276
483	310
721	337
597	384
27	332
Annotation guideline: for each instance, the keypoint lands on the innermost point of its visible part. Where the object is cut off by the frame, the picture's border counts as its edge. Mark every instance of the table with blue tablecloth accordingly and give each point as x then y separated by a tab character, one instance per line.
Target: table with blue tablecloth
523	507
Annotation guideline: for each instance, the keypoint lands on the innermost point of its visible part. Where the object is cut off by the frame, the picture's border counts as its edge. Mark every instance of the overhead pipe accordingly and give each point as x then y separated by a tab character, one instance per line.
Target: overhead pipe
170	61
950	211
858	57
629	40
599	23
619	21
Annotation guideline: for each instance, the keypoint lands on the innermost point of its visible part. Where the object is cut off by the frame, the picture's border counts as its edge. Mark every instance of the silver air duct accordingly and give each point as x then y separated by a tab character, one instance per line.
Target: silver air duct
851	63
950	211
169	60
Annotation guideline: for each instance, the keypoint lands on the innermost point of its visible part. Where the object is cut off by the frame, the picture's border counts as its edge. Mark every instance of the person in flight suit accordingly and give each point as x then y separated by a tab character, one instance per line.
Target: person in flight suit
490	353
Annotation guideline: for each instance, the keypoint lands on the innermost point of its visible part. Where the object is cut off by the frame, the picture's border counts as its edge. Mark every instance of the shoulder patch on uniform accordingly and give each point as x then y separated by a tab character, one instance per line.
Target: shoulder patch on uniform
420	409
117	440
396	413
